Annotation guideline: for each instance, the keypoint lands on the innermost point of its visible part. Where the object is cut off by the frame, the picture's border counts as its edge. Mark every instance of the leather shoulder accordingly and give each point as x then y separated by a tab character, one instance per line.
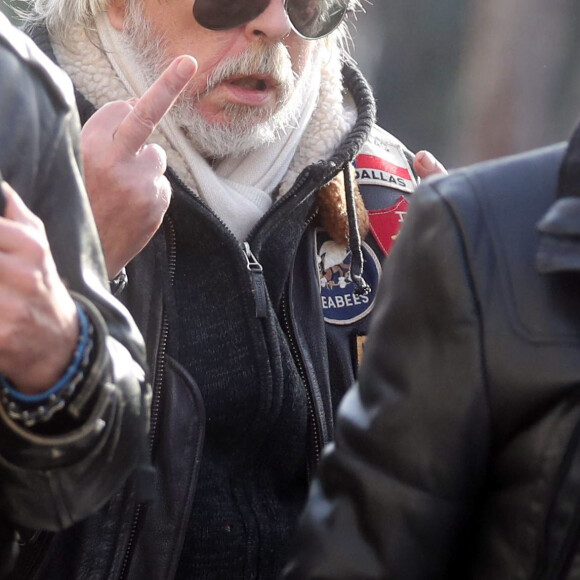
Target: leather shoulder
496	208
504	197
508	180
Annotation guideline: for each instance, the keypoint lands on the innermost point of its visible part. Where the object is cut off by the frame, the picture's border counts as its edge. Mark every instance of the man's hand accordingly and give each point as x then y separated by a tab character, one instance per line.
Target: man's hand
38	318
426	165
128	192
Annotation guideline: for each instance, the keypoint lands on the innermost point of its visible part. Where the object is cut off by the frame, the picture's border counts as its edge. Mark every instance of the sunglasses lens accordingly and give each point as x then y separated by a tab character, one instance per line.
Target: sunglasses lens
311	18
316	18
227	14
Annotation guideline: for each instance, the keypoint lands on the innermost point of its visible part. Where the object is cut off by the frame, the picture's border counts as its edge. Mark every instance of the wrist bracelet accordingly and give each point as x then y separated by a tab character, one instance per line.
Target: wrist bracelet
32	409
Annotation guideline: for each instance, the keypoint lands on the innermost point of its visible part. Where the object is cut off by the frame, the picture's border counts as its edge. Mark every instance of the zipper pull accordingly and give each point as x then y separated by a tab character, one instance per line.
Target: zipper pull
258	281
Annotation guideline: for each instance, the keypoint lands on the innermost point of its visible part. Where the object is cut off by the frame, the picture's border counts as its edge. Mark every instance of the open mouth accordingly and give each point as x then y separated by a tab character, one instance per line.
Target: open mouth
251	83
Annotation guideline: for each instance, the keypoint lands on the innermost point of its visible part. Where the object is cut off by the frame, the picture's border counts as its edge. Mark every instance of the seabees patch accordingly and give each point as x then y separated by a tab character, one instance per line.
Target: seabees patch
340	303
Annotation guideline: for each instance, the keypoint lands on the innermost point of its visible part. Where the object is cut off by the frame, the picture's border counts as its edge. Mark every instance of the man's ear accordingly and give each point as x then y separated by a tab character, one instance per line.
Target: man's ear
116	14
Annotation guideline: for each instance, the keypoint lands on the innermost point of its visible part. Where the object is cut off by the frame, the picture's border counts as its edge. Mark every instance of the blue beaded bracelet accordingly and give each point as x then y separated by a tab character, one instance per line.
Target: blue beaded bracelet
31	409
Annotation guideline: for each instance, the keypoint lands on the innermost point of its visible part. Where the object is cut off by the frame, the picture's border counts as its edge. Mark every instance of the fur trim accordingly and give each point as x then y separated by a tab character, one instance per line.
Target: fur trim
333	214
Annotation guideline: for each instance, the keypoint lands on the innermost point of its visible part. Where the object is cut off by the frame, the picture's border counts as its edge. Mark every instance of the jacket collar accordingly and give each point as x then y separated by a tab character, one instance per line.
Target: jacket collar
39	34
559	247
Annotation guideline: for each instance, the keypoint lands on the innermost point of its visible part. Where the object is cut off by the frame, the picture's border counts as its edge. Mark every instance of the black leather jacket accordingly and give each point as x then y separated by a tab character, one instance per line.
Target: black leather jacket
457	455
273	314
53	477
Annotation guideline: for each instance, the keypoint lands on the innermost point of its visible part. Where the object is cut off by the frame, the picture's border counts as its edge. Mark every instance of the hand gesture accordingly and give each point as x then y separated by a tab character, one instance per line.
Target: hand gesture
125	180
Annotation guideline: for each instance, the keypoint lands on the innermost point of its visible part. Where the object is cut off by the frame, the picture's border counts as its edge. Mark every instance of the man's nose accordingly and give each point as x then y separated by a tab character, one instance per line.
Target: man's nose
272	24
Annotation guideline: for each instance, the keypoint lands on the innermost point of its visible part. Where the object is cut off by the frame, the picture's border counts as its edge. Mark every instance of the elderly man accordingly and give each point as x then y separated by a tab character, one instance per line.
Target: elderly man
251	267
74	403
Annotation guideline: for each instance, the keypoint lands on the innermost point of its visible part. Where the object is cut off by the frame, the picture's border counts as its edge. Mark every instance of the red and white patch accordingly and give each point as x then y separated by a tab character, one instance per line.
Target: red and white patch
386	223
385	166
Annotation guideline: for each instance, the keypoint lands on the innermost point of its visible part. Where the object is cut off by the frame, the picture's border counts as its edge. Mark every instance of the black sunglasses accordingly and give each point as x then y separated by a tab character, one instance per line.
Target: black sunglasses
310	19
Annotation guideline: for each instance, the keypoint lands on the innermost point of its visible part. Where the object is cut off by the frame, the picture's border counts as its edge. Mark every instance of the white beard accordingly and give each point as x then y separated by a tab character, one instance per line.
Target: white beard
245	128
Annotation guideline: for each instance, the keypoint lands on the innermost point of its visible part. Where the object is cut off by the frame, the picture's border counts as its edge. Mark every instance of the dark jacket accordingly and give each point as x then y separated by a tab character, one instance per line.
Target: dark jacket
457	455
52	476
246	377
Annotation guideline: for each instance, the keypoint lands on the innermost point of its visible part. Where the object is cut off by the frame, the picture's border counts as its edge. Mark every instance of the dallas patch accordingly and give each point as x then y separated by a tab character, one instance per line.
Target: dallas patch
386	166
340	303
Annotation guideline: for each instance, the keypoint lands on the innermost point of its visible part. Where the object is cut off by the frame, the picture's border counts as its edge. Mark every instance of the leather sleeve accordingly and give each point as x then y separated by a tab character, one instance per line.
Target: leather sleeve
53	477
395	491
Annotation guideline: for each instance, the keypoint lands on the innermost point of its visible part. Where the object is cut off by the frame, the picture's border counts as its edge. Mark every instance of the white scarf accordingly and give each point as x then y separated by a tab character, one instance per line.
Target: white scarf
239	189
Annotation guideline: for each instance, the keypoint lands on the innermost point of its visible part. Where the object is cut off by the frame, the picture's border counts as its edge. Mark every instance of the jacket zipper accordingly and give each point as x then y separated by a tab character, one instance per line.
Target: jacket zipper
256	272
156	402
260	297
259	291
258	286
274	207
317	443
257	280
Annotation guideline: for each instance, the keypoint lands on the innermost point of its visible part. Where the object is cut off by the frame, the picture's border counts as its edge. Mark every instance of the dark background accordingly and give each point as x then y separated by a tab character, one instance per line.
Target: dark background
473	79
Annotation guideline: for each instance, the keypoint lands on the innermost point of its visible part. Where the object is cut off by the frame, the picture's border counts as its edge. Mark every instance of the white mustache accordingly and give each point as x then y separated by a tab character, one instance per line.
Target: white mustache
273	61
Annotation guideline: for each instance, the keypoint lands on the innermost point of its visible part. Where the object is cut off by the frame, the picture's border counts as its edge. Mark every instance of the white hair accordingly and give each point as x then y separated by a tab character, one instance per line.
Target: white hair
61	16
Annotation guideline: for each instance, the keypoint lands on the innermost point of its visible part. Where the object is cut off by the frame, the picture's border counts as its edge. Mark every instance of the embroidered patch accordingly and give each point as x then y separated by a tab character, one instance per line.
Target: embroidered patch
386	223
340	303
384	166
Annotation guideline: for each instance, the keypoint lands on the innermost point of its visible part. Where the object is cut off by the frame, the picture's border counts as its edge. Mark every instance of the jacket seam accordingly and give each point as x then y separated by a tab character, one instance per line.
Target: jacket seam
469	274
